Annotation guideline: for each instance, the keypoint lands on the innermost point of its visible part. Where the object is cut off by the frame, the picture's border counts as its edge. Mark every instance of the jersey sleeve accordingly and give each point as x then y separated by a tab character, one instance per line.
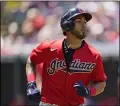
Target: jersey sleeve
39	54
98	73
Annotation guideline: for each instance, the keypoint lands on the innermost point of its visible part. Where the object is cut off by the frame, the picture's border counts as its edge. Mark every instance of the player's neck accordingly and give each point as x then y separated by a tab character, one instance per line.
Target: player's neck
73	42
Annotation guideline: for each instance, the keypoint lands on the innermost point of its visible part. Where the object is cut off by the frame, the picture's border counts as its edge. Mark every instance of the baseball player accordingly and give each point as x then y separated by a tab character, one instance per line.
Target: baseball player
72	69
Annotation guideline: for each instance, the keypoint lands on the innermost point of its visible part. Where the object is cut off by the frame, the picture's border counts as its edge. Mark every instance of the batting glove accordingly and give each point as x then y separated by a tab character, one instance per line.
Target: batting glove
81	89
32	92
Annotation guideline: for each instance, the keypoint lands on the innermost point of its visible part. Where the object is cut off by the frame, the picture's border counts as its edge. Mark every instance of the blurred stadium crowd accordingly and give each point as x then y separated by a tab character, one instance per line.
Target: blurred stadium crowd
29	23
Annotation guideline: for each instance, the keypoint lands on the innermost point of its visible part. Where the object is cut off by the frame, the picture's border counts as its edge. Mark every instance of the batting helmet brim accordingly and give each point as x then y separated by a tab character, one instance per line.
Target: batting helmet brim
86	15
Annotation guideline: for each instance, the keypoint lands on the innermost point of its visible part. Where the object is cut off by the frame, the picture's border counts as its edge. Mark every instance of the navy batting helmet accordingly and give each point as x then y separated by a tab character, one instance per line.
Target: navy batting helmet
67	22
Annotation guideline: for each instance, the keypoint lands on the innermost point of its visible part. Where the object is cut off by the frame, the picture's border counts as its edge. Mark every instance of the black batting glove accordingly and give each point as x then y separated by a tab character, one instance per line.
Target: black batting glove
81	89
32	92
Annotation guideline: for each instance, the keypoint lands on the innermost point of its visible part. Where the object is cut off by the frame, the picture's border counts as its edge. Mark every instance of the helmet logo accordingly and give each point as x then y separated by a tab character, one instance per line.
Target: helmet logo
80	10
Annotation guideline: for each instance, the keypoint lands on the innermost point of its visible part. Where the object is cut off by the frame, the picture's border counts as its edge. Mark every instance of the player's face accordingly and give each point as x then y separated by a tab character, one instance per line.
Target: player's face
80	27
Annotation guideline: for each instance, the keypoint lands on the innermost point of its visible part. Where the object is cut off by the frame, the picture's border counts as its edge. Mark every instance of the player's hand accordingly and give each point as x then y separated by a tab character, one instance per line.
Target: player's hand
32	92
81	89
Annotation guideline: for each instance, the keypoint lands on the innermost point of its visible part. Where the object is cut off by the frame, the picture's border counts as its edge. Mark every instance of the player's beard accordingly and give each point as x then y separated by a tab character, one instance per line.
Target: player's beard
80	34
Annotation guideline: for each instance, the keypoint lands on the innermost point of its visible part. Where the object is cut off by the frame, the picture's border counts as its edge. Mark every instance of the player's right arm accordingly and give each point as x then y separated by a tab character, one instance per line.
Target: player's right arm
32	92
36	57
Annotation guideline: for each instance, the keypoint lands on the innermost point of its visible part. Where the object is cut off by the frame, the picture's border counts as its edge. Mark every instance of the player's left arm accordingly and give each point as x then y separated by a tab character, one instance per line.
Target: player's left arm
98	79
97	88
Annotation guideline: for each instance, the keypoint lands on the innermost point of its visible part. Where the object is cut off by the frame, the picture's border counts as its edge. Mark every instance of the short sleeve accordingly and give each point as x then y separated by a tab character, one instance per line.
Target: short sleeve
39	54
98	73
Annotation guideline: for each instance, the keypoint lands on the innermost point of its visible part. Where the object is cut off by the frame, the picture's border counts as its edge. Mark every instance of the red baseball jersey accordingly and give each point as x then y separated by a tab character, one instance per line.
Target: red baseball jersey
57	82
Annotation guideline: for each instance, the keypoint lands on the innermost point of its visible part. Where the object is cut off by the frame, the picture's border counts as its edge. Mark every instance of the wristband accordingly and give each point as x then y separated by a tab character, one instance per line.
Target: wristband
92	91
31	77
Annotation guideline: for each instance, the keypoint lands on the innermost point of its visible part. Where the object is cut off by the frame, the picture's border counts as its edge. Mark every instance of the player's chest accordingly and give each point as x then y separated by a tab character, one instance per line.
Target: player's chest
79	63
